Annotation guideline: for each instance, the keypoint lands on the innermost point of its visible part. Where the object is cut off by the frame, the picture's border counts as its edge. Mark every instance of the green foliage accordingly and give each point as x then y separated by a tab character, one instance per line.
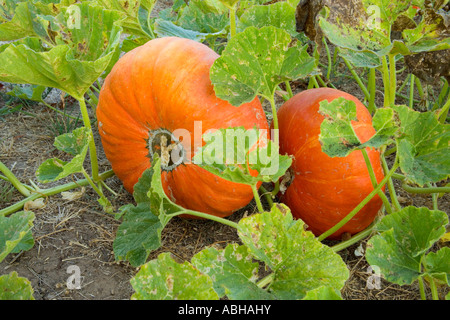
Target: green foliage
13	287
298	263
78	55
75	143
400	249
16	233
255	62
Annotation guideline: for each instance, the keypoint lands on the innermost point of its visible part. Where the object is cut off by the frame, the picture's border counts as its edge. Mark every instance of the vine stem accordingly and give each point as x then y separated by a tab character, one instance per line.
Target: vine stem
356	238
267	194
392	79
425	190
49	192
442	115
232	21
14	181
257	199
357	79
372	90
373	179
411	92
276	137
92	148
349	216
423	295
433	288
391	187
385	77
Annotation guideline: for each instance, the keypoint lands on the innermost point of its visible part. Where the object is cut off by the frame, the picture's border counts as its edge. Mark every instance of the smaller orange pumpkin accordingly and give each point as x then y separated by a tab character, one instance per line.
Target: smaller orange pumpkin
324	189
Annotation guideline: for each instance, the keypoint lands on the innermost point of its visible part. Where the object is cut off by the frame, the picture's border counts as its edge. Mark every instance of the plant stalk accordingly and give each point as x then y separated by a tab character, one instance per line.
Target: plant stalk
391	187
373	179
385	77
257	199
392	79
49	192
232	21
372	90
92	148
14	181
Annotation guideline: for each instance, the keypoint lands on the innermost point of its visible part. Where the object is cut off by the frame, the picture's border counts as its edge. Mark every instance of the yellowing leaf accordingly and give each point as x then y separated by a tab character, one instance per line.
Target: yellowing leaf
71	196
34	204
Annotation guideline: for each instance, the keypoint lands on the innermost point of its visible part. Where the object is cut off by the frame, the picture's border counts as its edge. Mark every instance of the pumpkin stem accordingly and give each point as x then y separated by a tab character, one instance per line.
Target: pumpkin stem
163	142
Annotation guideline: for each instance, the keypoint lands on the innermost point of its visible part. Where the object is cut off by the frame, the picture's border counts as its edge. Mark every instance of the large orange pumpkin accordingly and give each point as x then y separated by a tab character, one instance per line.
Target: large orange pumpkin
155	90
324	189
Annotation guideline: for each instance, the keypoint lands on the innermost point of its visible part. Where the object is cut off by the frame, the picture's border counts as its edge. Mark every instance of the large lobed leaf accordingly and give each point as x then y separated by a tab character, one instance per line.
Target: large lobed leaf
404	238
13	287
86	42
75	143
424	146
165	279
299	261
242	156
255	62
15	233
233	272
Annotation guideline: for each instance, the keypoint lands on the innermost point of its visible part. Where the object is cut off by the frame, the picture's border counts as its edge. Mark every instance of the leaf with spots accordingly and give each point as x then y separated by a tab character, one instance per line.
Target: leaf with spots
233	272
337	136
13	287
299	261
242	156
423	146
280	15
86	43
16	233
255	62
165	279
403	238
136	13
364	31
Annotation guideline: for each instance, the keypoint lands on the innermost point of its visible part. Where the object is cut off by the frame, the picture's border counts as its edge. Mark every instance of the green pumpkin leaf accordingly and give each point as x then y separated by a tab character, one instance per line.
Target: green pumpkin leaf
323	293
13	287
404	237
165	279
165	28
423	146
437	265
136	14
15	234
32	92
209	17
365	35
430	34
299	261
280	15
337	135
87	41
20	20
140	231
233	272
255	62
75	143
227	153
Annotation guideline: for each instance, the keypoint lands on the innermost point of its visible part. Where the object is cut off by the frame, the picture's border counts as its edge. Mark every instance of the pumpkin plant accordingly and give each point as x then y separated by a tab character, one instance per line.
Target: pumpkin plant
62	49
322	190
169	90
